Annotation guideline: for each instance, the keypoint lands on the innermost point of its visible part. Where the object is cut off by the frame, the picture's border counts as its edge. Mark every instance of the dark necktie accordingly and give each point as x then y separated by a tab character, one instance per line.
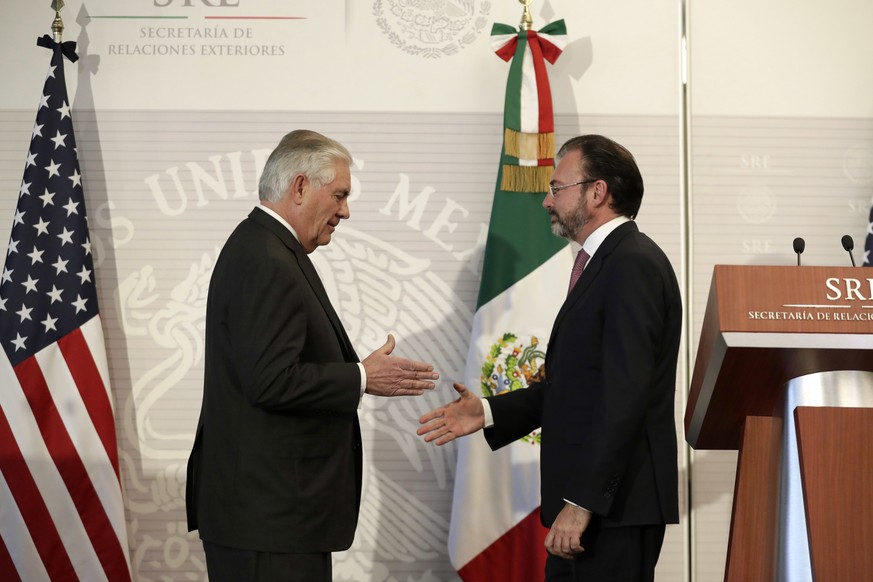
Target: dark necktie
581	258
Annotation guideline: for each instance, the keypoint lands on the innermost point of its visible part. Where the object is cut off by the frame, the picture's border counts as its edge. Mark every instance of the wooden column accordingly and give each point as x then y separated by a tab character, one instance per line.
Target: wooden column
753	535
836	467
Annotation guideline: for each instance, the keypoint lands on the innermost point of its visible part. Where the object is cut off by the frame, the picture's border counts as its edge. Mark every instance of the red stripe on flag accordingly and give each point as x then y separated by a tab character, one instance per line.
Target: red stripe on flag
519	555
7	567
32	508
544	92
72	470
87	379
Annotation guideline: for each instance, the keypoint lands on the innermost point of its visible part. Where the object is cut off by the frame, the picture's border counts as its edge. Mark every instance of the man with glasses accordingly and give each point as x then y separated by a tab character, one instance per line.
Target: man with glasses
608	461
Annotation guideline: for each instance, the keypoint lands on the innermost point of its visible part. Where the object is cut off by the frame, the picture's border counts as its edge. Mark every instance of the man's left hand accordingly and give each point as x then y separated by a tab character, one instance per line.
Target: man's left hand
564	539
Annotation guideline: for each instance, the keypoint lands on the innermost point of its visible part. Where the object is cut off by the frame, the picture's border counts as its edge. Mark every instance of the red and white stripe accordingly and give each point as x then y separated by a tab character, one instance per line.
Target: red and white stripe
61	510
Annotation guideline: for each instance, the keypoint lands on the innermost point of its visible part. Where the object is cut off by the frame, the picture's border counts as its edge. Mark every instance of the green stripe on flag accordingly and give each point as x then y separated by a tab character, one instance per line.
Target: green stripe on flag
519	240
512	104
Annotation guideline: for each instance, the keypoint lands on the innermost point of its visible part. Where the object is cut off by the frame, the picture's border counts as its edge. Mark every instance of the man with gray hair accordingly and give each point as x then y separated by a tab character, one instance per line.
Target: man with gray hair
274	478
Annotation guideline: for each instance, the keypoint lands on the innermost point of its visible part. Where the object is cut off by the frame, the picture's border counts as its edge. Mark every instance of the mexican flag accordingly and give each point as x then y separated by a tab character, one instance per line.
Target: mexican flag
495	531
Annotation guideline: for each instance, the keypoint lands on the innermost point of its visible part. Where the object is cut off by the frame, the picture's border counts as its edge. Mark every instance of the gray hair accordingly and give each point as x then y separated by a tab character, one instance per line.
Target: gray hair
301	152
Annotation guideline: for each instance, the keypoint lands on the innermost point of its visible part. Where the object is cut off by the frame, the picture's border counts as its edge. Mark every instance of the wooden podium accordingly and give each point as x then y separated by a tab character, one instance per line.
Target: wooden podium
765	326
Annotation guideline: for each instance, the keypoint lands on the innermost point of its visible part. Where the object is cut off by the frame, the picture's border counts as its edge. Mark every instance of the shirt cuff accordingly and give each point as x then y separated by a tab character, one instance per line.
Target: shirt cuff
363	382
576	505
486	408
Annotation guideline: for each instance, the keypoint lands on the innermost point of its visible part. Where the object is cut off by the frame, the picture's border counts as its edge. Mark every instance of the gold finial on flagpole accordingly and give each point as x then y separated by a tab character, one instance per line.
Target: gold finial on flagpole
57	23
526	19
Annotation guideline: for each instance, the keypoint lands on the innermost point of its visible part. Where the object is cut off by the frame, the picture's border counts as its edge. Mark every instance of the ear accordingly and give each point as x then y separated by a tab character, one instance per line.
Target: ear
297	188
600	195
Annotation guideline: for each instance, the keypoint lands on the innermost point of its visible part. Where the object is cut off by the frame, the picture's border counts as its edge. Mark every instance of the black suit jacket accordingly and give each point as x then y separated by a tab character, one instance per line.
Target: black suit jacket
606	407
276	463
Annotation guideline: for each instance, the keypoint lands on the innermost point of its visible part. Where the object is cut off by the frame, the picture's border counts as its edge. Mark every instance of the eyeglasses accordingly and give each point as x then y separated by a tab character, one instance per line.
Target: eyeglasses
553	190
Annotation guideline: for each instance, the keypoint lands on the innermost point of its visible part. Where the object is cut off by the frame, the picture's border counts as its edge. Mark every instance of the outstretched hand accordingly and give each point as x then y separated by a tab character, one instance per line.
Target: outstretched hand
388	375
464	416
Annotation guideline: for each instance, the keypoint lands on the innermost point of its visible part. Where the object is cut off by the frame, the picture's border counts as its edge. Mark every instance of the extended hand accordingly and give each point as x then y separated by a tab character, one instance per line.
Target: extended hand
391	376
455	419
564	538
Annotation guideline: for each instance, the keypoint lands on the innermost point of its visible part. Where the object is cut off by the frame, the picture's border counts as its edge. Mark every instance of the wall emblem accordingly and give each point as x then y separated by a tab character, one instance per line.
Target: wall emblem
858	164
431	28
756	204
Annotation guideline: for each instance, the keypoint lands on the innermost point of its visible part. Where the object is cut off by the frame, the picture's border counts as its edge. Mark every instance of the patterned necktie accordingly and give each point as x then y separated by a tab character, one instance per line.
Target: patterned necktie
579	264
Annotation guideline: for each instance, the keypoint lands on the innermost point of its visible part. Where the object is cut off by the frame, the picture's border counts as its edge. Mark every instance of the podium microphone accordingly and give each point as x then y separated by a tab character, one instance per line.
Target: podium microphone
848	245
799	245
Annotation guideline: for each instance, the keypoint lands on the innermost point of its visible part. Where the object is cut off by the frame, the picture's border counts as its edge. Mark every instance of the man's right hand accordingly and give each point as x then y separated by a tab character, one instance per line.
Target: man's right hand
388	375
464	416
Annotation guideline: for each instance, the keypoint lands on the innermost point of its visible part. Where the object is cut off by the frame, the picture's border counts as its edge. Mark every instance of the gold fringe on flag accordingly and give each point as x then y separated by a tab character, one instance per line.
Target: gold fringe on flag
526	178
529	146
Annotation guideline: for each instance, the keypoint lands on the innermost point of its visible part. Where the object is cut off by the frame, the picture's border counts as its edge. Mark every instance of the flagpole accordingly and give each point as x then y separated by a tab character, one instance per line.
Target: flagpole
526	18
57	23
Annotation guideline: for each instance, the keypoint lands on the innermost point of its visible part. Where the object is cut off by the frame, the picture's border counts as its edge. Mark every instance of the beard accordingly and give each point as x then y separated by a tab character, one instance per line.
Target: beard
569	226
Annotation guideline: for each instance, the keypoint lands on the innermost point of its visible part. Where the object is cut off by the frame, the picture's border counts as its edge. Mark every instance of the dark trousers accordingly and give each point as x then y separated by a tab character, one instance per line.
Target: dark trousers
619	554
225	564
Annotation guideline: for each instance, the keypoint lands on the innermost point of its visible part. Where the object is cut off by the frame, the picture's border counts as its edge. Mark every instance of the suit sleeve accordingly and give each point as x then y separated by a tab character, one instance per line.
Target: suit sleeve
633	328
288	356
515	414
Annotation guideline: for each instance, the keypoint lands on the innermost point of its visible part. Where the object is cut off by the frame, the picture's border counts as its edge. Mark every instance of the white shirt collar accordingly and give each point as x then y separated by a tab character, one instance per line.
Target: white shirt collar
281	220
596	238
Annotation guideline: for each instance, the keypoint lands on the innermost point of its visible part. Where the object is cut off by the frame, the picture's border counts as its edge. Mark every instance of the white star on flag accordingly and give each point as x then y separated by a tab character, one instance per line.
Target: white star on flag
64	110
47	198
30	284
61	266
59	140
35	256
66	237
41	226
52	169
49	323
71	208
24	313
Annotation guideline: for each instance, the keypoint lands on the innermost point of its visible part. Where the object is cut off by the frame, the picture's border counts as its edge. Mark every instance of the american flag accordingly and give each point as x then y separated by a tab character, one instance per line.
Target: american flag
61	511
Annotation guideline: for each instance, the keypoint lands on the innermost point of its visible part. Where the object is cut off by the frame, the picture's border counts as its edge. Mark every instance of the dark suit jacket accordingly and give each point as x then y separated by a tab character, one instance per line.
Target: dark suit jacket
606	407
276	463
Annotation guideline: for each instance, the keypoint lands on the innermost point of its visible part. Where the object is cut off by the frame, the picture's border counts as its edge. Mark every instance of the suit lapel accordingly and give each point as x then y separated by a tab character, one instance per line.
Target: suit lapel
318	288
311	275
592	270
